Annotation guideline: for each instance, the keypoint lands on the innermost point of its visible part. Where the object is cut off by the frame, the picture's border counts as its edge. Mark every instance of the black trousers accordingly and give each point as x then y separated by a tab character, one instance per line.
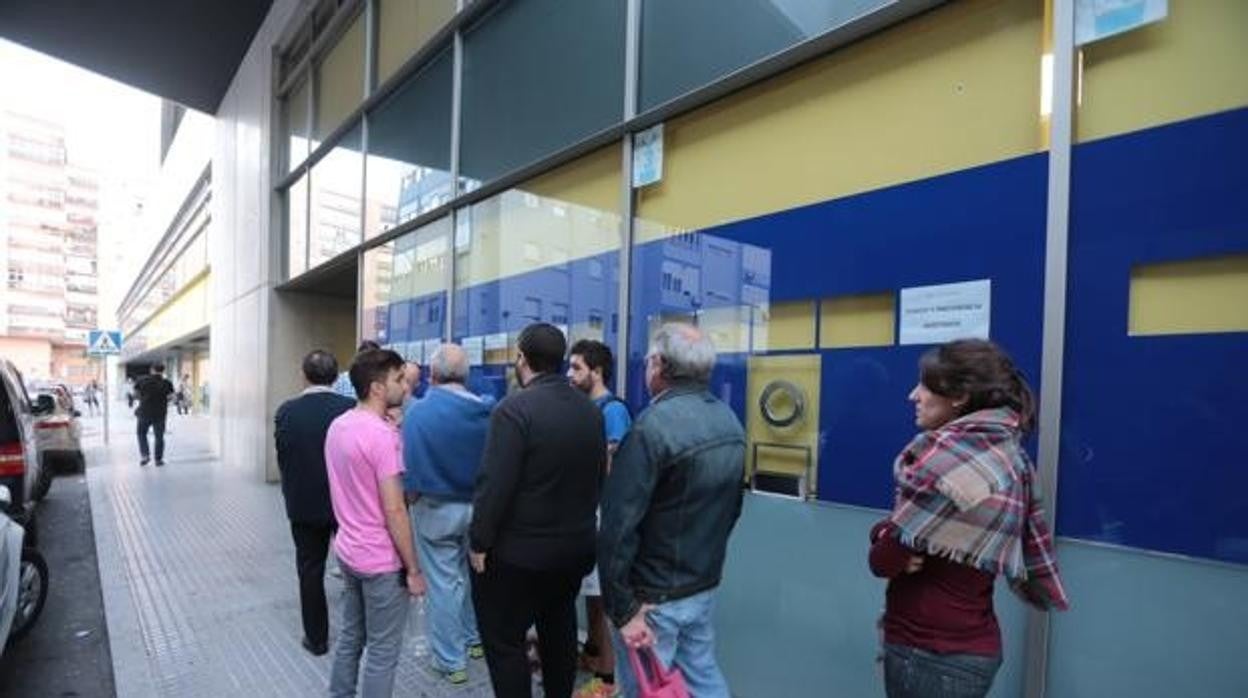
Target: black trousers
156	424
311	550
509	599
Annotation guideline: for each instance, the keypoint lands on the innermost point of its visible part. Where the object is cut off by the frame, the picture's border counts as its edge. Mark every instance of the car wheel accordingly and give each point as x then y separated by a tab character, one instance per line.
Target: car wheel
32	592
43	484
79	463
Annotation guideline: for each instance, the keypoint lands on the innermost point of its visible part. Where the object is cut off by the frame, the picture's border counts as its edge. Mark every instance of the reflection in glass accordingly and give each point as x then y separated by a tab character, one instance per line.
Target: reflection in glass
297	126
297	227
405	291
538	76
681	50
337	197
409	157
547	251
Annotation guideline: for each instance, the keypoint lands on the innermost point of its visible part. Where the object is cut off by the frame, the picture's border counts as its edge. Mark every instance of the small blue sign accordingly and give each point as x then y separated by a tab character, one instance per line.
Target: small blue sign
1098	19
103	342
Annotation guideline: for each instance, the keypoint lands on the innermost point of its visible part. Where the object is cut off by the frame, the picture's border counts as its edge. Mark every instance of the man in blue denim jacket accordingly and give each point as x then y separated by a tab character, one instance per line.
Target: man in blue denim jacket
670	502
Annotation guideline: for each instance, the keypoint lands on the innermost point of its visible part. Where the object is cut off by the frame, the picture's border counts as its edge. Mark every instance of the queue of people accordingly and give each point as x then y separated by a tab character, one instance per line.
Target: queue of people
501	514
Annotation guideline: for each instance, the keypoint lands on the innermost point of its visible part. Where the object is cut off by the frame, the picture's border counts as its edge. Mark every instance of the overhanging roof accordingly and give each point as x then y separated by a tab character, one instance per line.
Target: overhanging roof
186	51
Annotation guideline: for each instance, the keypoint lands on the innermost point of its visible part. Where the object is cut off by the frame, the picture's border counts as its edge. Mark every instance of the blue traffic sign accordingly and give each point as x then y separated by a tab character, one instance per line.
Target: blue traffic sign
103	342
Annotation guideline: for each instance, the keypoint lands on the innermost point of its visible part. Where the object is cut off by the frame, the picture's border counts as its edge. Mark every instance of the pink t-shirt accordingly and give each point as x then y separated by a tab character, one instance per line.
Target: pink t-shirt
362	449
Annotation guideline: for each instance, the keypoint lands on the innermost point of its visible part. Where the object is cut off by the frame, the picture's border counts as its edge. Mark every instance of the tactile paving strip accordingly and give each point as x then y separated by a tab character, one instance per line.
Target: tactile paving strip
203	553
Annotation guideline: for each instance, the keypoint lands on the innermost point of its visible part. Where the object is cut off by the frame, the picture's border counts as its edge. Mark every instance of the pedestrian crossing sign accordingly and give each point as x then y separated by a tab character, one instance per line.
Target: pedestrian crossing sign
103	342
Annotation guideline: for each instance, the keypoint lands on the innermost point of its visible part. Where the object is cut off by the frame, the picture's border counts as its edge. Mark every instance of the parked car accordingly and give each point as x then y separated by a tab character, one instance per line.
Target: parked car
20	463
23	577
59	438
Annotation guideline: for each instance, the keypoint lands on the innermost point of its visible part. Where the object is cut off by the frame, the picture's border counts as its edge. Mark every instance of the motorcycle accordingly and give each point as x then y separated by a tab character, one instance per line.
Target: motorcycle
23	578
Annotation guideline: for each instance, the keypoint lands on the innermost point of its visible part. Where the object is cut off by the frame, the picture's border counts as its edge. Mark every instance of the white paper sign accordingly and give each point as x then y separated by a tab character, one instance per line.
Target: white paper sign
648	156
475	348
937	314
494	342
1098	19
430	346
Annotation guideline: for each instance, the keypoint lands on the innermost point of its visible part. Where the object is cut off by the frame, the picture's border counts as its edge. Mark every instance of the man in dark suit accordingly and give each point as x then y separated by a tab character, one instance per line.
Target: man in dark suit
533	520
300	427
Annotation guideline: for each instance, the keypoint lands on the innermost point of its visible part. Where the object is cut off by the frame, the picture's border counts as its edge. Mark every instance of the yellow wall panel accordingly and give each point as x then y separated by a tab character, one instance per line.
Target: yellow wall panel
185	313
404	26
1193	63
341	80
592	181
954	88
857	321
1192	297
789	326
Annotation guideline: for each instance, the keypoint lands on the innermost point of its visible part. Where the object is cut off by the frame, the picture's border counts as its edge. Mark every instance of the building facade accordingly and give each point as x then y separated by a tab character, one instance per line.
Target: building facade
166	314
48	250
432	170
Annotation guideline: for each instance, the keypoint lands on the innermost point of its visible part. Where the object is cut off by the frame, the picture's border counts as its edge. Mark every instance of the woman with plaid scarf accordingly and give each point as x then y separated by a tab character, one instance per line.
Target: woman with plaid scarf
965	512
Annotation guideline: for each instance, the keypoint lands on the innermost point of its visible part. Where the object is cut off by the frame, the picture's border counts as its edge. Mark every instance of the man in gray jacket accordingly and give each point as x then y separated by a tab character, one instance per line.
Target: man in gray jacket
670	502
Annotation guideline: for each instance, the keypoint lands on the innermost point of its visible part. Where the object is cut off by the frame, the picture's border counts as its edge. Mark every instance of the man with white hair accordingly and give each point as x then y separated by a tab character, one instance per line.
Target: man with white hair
443	437
669	505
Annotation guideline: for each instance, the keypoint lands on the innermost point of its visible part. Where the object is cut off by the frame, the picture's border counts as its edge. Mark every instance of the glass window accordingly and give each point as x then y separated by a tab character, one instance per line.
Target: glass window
403	27
335	213
409	144
538	76
681	50
340	81
297	227
405	290
297	126
529	254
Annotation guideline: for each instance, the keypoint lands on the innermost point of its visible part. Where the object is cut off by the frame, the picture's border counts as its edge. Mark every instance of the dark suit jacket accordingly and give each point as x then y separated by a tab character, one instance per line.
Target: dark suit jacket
299	430
537	488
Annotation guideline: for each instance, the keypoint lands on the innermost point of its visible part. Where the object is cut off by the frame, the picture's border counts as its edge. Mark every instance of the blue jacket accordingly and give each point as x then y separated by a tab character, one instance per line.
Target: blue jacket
670	502
443	437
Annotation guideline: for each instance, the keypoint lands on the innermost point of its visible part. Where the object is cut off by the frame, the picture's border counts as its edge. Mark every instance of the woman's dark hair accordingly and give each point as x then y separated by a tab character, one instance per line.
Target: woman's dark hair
981	372
372	366
543	346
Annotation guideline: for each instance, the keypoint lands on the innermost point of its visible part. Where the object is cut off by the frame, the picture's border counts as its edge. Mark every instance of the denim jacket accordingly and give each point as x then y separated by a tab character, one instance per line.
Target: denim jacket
673	496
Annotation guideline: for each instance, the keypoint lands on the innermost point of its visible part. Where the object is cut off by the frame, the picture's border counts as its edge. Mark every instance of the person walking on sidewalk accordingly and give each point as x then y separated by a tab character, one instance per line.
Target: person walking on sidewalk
443	438
300	428
589	370
533	521
671	501
364	463
153	391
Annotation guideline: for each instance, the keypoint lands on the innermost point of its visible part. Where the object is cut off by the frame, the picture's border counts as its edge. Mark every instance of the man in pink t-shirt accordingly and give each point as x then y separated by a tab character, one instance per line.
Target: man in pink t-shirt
374	540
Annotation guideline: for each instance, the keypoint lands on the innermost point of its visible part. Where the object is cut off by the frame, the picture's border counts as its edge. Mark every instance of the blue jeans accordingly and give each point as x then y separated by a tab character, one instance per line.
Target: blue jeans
374	612
441	532
910	672
684	636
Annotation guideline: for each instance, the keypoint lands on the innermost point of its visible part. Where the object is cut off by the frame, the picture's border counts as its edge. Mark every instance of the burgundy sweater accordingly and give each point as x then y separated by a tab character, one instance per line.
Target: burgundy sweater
945	607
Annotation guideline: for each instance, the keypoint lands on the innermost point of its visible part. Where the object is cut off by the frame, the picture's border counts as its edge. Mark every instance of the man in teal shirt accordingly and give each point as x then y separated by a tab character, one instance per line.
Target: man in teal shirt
590	365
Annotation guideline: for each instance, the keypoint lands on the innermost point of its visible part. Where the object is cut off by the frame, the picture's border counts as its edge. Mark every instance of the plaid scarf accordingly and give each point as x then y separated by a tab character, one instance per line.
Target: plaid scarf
965	492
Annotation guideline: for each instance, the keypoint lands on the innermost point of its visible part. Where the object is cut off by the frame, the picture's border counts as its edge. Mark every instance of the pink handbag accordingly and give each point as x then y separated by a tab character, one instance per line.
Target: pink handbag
653	680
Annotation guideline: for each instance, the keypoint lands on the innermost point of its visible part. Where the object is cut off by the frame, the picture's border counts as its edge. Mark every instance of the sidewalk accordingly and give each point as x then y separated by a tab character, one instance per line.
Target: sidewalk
198	576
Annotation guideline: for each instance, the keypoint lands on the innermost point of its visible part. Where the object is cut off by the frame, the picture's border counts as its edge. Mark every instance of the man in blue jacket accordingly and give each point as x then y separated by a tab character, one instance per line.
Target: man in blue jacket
443	437
669	505
300	427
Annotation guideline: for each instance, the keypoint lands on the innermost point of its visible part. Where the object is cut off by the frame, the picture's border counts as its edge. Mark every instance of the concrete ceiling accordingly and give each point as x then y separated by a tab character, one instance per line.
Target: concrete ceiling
186	51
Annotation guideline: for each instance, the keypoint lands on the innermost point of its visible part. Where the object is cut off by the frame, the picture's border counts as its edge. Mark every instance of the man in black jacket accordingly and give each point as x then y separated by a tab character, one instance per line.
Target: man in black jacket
300	427
669	505
533	524
153	391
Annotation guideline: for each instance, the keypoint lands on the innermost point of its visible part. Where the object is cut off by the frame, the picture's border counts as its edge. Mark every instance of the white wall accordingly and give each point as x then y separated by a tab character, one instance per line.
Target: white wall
245	264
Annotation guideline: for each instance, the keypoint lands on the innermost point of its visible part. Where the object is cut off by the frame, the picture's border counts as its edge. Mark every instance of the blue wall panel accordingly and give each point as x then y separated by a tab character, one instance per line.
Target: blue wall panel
1154	447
